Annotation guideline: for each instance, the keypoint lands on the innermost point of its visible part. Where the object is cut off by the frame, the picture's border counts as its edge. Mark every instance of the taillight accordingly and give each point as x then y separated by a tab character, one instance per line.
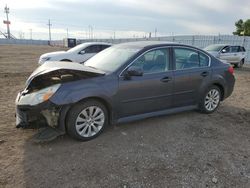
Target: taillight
231	70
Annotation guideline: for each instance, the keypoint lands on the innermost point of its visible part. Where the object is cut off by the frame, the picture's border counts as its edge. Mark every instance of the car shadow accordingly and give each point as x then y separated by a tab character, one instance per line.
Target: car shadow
154	151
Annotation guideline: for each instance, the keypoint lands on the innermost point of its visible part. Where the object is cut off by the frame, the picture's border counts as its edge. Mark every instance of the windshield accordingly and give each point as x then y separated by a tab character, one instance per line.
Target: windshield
78	48
111	59
214	48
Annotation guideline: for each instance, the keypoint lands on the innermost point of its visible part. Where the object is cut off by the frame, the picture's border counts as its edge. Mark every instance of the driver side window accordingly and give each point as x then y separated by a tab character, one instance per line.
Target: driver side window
92	49
226	49
155	61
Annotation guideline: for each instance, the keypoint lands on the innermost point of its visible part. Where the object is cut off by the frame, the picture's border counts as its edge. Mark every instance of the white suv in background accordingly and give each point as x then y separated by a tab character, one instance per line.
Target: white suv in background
79	53
235	55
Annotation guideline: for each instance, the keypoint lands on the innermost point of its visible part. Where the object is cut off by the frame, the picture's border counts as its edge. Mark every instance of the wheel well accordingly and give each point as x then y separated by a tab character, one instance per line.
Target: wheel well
66	60
221	89
104	102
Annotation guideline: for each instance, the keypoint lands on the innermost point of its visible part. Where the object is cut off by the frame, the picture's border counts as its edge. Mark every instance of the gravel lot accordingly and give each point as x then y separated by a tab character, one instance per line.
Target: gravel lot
182	150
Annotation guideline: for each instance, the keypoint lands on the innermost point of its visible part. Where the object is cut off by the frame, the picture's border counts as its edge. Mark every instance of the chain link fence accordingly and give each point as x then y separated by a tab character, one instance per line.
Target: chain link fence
199	41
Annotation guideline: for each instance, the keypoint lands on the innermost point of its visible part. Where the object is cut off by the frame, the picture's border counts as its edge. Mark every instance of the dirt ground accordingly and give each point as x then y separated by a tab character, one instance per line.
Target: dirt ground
182	150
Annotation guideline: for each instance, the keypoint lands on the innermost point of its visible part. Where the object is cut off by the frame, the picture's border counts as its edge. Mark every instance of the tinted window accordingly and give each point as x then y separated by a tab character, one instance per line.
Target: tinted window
234	49
93	49
204	60
154	61
186	58
104	47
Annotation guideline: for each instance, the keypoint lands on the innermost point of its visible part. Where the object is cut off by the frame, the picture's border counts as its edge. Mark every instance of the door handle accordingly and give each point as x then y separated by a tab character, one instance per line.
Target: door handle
166	79
204	74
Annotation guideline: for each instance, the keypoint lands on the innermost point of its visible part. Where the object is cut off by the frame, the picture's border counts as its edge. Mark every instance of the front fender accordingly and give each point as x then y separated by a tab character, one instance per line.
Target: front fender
76	91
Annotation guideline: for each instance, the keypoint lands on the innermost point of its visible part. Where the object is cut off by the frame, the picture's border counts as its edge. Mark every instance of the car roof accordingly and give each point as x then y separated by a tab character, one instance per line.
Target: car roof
95	43
143	44
224	45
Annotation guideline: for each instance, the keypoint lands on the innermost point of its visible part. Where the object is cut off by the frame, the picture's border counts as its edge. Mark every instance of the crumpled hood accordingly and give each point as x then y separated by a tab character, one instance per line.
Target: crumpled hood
57	65
54	72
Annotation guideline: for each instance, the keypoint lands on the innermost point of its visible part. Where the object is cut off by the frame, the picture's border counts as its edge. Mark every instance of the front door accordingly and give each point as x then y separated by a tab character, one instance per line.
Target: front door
227	54
150	92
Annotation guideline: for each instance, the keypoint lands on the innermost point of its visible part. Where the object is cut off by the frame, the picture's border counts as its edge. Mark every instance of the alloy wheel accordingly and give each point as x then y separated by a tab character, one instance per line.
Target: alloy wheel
212	100
90	121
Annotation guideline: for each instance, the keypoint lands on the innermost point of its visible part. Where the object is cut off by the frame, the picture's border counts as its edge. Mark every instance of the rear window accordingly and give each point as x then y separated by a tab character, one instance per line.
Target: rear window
242	49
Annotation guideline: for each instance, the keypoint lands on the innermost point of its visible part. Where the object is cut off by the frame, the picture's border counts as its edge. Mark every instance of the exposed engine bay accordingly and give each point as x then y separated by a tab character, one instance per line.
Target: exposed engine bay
56	77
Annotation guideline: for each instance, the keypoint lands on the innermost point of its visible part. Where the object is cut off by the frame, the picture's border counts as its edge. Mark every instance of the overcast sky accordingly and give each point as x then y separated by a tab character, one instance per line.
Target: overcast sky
127	18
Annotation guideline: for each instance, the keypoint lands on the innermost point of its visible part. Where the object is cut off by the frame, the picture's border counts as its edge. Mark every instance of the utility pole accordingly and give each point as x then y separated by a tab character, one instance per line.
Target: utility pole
155	31
7	22
67	33
49	24
90	32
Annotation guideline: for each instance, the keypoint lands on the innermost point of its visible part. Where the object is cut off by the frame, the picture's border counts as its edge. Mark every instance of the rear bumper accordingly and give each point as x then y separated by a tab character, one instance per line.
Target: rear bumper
230	87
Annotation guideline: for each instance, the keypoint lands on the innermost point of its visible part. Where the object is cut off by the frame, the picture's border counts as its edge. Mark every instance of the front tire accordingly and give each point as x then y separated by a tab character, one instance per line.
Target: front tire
210	100
86	120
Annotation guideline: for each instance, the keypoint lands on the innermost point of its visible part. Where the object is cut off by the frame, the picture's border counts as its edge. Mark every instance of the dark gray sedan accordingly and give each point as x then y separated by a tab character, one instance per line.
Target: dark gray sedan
125	82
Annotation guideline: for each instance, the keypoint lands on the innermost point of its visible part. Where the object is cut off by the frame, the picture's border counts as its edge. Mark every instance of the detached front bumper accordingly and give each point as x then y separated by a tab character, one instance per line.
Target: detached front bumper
43	114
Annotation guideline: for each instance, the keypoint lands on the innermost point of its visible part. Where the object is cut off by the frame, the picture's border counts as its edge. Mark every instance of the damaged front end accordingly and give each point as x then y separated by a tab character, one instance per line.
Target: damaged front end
33	106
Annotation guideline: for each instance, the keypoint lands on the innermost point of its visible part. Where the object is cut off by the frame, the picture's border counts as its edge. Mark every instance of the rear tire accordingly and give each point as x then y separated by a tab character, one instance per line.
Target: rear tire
86	120
210	101
240	64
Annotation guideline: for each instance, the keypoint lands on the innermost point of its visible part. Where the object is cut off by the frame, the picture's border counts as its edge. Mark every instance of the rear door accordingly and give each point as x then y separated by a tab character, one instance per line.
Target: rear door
236	55
191	72
150	92
242	53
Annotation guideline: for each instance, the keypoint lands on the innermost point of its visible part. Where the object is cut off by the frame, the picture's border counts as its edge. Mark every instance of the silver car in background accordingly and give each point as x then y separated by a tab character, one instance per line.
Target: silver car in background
235	55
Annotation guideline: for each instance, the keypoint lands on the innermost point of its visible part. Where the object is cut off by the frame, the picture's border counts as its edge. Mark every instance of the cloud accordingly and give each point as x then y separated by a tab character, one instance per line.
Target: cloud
127	17
201	28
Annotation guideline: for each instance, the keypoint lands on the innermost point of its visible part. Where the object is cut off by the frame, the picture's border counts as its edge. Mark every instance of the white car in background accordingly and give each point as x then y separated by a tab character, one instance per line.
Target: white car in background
79	53
235	55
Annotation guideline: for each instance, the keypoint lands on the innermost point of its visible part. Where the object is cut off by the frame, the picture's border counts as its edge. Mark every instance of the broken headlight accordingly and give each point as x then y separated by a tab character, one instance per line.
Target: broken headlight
38	96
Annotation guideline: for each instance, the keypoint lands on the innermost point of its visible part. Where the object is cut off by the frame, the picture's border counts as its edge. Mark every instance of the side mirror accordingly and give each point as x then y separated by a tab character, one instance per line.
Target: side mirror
134	71
82	52
223	51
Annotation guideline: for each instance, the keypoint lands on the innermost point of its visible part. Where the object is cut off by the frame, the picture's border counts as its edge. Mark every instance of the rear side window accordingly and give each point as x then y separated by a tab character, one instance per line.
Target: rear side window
204	60
187	58
234	49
